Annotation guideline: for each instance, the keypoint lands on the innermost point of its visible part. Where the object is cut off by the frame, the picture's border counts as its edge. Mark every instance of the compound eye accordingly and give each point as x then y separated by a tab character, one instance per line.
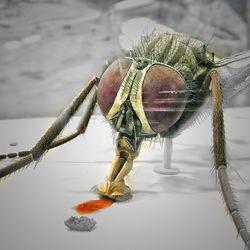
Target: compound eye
164	96
110	83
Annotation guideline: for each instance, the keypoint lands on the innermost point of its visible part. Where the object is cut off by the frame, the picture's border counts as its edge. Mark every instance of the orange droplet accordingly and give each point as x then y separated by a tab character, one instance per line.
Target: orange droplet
92	206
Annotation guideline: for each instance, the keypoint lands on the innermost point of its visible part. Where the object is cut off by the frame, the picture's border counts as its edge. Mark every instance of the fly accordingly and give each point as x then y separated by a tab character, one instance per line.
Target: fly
157	89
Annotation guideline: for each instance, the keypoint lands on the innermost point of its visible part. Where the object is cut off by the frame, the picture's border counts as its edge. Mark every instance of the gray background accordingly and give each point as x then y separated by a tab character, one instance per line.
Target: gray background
49	49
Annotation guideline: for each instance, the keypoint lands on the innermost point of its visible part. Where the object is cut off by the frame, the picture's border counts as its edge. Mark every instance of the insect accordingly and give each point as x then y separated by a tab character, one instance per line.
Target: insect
157	89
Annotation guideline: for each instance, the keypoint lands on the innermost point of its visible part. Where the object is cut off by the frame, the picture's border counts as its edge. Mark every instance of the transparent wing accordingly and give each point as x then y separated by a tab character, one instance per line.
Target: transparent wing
133	31
235	74
214	22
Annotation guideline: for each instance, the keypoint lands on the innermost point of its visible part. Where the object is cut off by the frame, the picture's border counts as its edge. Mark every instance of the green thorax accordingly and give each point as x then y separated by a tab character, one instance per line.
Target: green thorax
187	55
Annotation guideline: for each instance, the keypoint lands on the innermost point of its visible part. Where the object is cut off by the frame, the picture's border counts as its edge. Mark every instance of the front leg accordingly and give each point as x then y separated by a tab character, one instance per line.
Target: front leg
127	150
219	148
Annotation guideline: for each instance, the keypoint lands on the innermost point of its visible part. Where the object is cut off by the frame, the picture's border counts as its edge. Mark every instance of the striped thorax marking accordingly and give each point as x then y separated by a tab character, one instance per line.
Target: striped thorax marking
131	88
136	100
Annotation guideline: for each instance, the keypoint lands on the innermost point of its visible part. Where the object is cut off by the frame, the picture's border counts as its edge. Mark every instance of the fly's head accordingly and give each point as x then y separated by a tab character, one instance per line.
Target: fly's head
140	97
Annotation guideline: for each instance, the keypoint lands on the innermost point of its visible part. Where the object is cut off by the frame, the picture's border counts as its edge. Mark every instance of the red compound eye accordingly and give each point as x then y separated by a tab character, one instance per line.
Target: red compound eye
110	83
164	97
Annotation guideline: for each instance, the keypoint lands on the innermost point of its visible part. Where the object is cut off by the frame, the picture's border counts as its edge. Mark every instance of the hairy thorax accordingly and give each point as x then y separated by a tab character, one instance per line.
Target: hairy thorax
155	89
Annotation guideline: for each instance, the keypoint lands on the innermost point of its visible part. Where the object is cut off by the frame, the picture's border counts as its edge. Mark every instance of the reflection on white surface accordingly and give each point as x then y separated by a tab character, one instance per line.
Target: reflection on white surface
166	212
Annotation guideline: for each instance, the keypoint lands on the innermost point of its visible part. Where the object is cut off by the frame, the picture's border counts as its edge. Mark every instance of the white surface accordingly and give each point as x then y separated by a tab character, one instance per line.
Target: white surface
166	212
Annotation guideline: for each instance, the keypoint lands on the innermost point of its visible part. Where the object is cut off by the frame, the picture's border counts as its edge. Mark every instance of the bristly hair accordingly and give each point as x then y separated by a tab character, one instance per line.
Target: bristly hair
146	47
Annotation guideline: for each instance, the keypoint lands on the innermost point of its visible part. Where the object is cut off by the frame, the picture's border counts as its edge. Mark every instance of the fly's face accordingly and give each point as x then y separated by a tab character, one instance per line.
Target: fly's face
141	97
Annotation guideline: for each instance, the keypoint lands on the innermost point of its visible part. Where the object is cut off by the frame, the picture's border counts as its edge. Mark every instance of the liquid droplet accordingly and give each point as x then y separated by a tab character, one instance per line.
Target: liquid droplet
92	206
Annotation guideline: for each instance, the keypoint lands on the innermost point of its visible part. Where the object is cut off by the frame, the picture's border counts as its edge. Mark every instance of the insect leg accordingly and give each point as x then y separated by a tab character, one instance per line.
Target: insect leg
127	150
14	155
44	143
83	124
219	148
80	130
